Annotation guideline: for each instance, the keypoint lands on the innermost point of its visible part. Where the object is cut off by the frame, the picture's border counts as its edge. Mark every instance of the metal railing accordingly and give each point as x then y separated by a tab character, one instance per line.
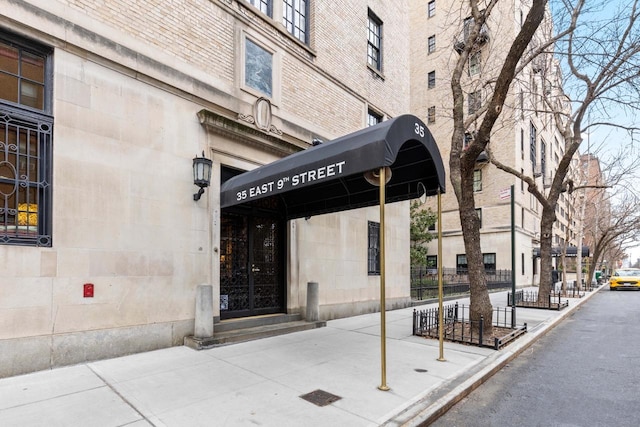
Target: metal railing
458	328
424	281
529	299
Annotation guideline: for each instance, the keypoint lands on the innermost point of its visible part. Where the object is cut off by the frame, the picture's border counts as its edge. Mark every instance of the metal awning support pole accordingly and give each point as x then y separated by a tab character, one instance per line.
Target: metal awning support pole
513	259
383	308
440	284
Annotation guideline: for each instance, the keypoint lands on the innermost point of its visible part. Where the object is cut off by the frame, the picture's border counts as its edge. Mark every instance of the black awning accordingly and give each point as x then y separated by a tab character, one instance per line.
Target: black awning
556	251
330	177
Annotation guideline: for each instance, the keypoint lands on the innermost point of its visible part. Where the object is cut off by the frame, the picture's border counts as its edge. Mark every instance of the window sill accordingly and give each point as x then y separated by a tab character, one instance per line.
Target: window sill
376	73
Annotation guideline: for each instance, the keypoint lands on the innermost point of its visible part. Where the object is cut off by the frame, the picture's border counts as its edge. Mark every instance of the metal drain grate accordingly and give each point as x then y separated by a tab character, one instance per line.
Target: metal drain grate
320	397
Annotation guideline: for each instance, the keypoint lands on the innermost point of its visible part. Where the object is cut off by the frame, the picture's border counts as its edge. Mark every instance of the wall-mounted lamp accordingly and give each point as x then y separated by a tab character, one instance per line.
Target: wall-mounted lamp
201	174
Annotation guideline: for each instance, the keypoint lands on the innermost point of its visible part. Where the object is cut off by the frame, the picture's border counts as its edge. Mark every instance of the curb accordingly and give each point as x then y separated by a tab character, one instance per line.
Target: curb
428	409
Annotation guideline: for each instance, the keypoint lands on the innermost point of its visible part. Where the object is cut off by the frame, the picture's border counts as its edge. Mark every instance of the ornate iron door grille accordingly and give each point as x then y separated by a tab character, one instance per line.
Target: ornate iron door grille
251	279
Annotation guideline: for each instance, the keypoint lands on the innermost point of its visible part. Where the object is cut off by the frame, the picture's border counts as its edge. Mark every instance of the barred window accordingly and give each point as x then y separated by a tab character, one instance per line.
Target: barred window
295	18
373	258
374	41
25	143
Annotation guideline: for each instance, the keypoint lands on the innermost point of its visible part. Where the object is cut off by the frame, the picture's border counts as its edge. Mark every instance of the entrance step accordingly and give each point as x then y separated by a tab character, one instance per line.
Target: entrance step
251	328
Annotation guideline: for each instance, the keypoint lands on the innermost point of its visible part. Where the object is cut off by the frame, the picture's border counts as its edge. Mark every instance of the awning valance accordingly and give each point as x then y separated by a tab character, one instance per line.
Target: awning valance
556	251
330	177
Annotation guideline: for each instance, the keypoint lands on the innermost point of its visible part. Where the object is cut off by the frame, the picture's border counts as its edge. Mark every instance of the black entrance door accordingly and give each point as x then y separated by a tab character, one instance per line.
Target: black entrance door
251	264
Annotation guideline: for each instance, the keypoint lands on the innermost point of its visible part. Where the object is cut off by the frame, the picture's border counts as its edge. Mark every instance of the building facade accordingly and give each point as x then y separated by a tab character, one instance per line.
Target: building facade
525	137
103	106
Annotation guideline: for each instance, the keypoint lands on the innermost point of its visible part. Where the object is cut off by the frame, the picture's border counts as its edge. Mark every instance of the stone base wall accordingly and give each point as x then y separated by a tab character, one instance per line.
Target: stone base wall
23	355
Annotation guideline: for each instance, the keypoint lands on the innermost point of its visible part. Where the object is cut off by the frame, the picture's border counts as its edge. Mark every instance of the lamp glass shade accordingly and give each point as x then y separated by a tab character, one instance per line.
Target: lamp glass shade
201	171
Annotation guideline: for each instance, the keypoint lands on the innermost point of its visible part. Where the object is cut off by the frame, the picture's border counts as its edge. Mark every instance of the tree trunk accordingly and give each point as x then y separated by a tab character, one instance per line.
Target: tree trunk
480	307
546	240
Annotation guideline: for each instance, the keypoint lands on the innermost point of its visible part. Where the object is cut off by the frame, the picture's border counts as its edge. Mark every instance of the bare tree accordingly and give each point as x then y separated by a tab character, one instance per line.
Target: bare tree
462	160
622	231
602	57
614	220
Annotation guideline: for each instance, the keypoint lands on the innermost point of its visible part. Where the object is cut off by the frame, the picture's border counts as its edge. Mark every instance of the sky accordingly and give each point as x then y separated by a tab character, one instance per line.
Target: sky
606	142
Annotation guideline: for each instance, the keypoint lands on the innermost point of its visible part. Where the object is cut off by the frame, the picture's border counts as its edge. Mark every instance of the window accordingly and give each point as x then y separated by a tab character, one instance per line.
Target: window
468	139
373	118
25	143
295	18
432	264
522	143
258	68
521	105
461	264
474	64
489	261
479	213
477	180
431	114
522	262
475	101
431	8
374	41
543	158
532	142
431	78
466	28
522	181
263	5
373	259
22	75
431	44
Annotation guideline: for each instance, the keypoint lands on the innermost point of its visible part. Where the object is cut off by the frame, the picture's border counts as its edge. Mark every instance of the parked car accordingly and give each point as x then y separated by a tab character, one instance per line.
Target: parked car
625	278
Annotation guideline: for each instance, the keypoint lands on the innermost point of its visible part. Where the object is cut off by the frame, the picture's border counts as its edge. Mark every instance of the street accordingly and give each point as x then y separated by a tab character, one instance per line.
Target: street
582	373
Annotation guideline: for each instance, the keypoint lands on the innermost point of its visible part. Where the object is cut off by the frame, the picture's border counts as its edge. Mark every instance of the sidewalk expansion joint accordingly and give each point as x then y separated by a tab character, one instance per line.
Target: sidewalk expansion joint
124	399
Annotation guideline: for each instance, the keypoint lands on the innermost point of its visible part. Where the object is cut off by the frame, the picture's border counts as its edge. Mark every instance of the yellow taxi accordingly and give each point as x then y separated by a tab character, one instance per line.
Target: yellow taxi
625	278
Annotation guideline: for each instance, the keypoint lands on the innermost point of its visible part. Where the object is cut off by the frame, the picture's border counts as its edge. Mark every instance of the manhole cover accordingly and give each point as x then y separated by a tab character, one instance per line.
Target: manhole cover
320	397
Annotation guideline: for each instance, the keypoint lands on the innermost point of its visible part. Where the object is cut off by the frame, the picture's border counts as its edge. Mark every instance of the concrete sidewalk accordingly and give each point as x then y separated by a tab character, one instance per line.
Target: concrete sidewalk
260	382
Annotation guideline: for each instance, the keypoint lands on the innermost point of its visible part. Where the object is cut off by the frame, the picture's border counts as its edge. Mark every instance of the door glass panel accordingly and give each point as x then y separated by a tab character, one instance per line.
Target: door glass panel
234	249
266	265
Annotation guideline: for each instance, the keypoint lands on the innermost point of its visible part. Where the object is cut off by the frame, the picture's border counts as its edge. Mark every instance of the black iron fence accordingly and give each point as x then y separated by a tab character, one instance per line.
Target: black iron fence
529	299
455	281
571	292
458	327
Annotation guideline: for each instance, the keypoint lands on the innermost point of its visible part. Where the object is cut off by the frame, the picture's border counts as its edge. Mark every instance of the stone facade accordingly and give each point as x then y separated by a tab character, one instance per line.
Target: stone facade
139	88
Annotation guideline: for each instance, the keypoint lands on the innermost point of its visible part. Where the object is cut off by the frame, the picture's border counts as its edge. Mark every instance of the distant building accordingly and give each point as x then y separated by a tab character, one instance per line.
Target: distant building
595	206
525	137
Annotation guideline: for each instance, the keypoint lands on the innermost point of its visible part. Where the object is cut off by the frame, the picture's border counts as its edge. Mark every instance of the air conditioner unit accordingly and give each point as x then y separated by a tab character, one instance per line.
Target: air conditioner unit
537	171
